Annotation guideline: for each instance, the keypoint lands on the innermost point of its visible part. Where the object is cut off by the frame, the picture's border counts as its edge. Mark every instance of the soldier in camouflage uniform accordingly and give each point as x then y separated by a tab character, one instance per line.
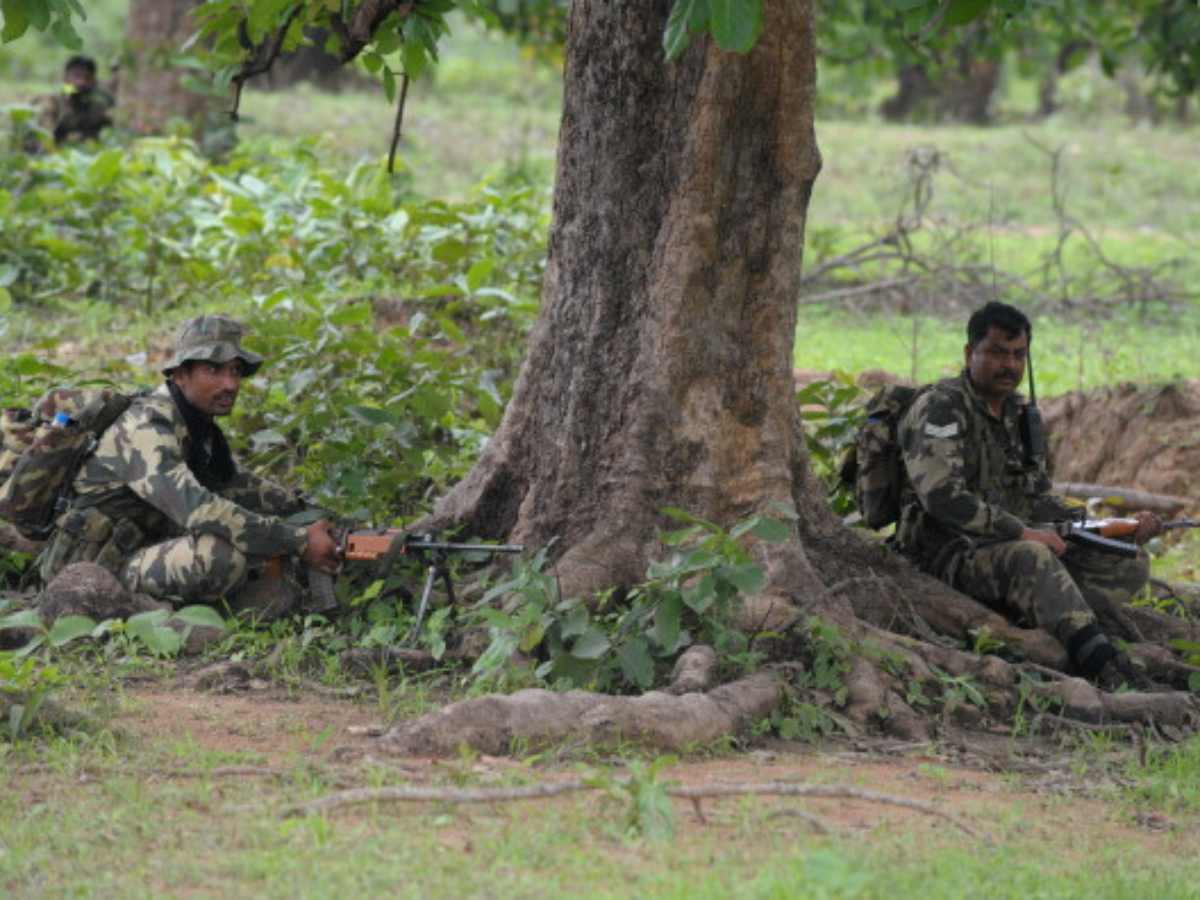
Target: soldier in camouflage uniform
161	502
81	110
977	512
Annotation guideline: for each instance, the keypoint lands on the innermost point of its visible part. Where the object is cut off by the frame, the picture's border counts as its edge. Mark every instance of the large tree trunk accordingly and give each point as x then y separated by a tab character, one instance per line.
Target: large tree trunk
659	372
151	86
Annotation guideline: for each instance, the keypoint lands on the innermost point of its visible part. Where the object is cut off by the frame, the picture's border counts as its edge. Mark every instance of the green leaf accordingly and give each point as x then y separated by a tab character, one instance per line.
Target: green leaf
267	438
771	530
575	623
33	644
450	251
687	17
105	168
370	415
636	663
68	628
736	24
748	578
479	272
151	630
700	596
963	11
26	618
666	623
16	20
592	644
16	717
5	300
204	616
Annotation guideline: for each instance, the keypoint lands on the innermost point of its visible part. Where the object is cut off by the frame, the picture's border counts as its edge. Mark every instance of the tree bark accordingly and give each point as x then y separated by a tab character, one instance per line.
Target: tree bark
151	87
659	372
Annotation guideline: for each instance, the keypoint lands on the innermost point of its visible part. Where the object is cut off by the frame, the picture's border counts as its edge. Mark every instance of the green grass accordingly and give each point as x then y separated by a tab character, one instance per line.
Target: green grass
1067	356
142	833
1171	779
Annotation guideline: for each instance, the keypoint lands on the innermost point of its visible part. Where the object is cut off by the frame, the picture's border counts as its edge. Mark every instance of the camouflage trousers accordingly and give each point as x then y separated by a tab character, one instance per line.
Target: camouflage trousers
1059	594
192	568
189	569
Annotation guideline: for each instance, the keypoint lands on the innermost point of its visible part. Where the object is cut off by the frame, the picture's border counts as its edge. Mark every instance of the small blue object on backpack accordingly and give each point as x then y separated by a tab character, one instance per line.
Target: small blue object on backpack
62	420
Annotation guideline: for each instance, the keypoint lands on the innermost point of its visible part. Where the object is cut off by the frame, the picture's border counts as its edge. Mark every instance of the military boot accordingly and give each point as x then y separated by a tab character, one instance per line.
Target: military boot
1121	671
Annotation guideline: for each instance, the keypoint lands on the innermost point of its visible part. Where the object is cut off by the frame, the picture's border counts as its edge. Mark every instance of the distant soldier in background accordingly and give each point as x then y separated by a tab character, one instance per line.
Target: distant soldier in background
81	110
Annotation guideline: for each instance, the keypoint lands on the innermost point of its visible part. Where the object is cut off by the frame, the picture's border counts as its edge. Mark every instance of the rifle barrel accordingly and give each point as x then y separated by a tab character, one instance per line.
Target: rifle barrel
464	548
370	545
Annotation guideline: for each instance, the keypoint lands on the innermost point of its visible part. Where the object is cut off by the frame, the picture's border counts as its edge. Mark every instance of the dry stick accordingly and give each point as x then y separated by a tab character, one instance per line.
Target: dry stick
219	772
870	288
252	68
356	796
814	822
399	122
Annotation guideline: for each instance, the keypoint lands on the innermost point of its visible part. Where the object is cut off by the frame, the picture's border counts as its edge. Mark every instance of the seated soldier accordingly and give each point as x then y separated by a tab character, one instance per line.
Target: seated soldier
81	110
161	502
976	507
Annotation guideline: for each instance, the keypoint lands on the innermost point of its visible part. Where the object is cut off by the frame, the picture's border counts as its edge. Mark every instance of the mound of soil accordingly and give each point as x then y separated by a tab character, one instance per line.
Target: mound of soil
1141	437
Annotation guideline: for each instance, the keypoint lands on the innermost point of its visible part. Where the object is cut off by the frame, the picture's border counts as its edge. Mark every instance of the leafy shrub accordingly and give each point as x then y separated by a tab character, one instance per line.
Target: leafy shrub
692	596
832	412
371	420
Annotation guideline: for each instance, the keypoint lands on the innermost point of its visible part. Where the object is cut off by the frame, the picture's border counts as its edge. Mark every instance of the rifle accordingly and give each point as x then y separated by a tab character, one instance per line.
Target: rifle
1106	534
385	545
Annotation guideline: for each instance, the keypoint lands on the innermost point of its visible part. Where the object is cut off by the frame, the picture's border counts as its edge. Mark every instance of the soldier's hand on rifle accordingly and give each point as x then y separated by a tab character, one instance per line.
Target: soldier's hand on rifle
1149	525
1049	538
321	551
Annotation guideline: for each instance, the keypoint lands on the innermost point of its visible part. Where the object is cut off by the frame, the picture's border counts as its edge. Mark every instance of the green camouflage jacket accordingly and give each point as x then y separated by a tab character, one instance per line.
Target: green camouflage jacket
138	475
75	117
966	475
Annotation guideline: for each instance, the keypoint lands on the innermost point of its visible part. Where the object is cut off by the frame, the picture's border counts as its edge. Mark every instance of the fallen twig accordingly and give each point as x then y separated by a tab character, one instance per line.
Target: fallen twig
358	796
814	822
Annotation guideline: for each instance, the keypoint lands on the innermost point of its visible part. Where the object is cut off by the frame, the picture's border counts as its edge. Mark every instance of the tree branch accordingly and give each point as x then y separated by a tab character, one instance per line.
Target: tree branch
367	17
259	61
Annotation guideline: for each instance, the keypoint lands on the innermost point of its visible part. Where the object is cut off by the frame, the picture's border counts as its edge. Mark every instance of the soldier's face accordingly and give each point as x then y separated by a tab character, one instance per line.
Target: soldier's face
80	79
996	364
211	387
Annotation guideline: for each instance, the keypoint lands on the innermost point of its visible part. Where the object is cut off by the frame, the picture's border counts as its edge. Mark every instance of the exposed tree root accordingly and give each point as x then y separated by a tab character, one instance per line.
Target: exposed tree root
358	796
534	717
695	670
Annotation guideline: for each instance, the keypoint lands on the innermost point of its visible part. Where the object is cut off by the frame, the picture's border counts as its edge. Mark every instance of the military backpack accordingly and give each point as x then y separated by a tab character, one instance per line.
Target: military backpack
874	466
43	448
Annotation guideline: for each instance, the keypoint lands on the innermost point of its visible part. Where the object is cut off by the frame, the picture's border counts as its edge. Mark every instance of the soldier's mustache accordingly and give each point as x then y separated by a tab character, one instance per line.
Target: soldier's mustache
1006	373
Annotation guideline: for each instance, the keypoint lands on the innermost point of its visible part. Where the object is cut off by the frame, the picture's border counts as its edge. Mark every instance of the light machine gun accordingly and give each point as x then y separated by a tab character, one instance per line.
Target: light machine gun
1107	534
384	546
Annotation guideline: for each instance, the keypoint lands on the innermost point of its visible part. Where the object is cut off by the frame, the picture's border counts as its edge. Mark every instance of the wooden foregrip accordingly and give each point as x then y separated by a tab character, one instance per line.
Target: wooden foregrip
368	546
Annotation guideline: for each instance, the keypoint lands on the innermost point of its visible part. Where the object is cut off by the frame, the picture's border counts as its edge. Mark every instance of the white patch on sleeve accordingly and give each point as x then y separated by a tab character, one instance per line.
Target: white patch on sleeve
941	431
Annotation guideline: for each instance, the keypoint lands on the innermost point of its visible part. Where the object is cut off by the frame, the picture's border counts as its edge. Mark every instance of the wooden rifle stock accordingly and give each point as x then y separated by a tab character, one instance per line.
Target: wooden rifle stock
375	544
1115	534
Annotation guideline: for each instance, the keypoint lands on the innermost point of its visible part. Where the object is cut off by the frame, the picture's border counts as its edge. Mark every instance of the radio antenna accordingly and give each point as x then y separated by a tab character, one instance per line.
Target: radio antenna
1033	433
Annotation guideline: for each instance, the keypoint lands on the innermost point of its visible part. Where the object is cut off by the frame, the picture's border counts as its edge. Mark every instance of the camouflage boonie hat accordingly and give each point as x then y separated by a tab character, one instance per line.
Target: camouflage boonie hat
211	339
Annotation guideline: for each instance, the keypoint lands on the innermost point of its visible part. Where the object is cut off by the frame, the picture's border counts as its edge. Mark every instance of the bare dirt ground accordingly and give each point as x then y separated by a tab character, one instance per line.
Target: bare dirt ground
272	726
